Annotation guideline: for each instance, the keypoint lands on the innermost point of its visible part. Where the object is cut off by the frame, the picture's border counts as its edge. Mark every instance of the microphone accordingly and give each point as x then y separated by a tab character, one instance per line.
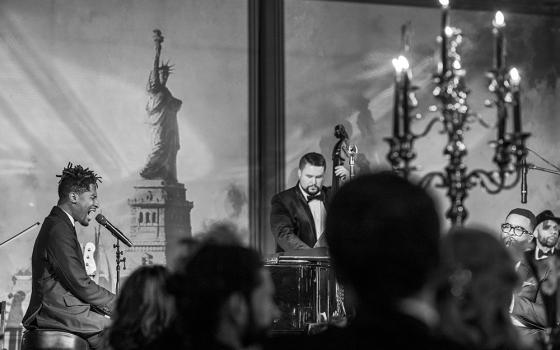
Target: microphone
524	169
102	220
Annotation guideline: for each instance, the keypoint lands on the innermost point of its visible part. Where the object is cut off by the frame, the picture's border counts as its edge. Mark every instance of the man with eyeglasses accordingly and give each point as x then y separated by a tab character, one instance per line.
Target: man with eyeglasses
535	271
517	232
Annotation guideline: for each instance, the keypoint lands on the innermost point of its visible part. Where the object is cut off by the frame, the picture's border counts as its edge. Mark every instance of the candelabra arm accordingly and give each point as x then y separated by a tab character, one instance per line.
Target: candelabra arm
428	128
427	179
485	178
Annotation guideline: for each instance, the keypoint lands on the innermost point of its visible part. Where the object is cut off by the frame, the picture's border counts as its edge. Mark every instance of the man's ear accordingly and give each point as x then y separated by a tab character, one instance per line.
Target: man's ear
299	173
73	197
236	308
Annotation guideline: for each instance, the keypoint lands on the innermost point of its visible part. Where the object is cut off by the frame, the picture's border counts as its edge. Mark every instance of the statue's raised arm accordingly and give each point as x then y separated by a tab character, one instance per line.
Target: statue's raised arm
155	79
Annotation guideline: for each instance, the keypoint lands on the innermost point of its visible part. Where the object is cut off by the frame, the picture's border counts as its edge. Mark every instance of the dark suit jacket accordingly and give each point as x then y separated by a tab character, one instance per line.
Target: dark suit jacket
291	220
528	304
62	294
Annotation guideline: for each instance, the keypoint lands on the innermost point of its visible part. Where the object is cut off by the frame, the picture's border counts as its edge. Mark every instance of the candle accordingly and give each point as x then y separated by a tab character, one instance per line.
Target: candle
515	79
396	104
444	22
406	84
502	117
499	41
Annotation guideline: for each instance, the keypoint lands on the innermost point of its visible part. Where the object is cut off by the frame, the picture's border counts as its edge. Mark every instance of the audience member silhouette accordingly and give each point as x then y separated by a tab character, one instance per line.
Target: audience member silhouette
383	233
474	294
224	299
143	311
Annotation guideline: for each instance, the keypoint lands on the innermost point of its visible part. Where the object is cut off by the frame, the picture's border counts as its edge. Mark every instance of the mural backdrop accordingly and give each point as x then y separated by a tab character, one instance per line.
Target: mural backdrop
74	77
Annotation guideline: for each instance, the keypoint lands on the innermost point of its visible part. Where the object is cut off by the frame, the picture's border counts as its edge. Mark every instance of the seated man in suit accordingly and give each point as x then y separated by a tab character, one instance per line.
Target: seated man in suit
63	297
297	216
535	271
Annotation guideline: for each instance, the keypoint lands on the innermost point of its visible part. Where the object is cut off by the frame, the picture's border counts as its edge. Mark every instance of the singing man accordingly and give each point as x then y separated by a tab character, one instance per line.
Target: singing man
63	297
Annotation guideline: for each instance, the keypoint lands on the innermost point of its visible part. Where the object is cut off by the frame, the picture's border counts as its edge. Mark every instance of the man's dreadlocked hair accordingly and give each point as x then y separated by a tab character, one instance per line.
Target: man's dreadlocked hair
75	178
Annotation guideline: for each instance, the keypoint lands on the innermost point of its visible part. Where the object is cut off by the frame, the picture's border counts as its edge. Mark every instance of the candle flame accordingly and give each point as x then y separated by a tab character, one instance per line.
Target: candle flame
499	20
456	65
404	62
400	64
514	76
396	64
444	3
448	31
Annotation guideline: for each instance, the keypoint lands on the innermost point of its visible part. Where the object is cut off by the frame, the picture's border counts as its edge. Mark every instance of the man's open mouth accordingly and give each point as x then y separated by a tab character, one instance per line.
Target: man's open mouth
90	213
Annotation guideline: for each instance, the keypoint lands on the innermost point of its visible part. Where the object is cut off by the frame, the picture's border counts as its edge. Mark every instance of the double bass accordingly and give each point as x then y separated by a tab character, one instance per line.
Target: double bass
338	153
341	150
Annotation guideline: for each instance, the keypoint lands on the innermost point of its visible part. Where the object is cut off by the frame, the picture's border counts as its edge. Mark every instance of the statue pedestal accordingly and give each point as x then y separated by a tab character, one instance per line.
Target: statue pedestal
160	217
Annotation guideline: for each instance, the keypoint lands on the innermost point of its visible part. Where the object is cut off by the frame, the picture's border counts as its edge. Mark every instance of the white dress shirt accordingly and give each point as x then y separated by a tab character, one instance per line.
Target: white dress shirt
318	211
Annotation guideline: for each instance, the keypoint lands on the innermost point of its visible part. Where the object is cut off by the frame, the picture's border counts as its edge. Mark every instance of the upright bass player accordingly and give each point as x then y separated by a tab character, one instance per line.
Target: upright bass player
298	214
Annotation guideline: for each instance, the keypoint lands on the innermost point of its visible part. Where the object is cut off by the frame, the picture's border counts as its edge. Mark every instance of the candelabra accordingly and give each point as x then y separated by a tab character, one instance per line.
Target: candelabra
455	115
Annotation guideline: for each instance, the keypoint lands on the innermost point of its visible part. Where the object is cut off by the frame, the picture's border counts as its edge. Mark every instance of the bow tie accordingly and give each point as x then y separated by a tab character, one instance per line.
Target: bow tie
542	255
319	196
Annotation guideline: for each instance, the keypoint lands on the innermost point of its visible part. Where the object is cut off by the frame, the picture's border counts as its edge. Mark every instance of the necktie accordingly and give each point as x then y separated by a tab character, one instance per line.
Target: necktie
319	196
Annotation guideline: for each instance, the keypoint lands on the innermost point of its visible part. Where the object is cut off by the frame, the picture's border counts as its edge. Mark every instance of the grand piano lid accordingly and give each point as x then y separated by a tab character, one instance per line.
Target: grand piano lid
300	255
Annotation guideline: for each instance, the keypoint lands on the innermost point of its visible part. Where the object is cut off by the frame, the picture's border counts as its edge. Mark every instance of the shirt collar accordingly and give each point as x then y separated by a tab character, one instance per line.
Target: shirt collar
69	217
549	252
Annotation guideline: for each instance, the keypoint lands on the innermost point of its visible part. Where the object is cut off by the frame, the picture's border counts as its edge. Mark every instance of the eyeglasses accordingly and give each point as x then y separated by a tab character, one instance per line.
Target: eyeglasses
516	230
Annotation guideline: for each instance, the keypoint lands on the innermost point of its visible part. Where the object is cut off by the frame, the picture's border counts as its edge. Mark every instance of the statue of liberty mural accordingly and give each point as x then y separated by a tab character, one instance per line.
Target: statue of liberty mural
162	110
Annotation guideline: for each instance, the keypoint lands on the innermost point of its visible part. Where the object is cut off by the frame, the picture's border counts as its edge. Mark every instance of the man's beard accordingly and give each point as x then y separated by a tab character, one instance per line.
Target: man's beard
549	241
306	189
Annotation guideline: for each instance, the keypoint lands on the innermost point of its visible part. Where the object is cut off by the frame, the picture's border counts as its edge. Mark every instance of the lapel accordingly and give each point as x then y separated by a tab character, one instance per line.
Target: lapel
303	202
61	215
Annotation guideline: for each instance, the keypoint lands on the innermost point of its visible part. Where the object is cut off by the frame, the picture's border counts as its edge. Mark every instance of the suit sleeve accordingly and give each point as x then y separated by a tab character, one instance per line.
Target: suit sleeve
530	313
525	305
68	267
283	228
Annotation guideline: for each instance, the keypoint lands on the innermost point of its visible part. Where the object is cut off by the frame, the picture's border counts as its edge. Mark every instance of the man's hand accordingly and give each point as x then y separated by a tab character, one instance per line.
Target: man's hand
341	172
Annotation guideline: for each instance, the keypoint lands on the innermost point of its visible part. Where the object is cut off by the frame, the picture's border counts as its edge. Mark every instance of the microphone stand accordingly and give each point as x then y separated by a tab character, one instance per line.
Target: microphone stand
118	254
20	233
534	167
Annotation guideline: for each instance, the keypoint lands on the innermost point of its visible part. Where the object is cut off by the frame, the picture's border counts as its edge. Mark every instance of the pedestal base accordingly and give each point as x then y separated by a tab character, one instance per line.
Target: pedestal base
160	218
